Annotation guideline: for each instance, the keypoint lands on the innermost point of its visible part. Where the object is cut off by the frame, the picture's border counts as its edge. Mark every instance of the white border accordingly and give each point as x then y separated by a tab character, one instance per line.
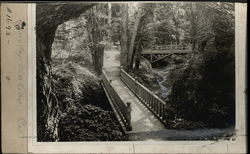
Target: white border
239	145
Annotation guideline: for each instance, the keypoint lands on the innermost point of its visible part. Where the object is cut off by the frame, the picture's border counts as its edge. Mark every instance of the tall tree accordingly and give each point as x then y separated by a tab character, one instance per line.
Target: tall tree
132	42
142	33
136	42
124	36
193	24
97	49
109	31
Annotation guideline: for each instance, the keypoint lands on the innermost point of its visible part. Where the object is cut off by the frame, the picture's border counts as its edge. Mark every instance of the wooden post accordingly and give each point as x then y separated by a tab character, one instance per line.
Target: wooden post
164	113
161	110
157	107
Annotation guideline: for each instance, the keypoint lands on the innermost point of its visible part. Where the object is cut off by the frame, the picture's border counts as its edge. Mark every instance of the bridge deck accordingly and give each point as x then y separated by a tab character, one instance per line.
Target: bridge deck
141	118
143	122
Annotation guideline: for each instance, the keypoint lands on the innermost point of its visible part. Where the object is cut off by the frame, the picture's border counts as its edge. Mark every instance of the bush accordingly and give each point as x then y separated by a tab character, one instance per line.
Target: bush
89	123
203	90
86	113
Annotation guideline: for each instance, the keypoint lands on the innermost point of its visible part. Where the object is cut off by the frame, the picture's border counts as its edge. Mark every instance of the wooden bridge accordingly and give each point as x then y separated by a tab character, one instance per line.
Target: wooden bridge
148	111
157	53
148	115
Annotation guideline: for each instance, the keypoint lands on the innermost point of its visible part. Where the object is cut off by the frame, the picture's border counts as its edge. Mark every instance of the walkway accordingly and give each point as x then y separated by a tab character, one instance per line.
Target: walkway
142	120
111	58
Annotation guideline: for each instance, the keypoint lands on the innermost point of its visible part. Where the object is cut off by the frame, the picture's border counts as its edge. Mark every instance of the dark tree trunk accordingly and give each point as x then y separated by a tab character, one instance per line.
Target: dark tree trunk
139	26
193	24
138	56
99	53
96	50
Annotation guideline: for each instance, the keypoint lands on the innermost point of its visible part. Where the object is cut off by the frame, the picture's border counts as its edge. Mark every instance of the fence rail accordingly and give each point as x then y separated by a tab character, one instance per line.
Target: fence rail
118	103
150	100
172	47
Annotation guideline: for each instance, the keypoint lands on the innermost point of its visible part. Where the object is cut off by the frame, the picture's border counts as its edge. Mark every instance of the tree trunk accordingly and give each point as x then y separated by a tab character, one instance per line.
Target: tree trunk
124	36
135	54
138	55
193	23
99	53
134	34
96	50
109	26
109	13
177	34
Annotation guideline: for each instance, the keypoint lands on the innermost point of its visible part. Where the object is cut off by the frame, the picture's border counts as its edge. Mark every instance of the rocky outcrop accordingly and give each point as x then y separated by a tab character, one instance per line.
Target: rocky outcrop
145	74
72	42
49	16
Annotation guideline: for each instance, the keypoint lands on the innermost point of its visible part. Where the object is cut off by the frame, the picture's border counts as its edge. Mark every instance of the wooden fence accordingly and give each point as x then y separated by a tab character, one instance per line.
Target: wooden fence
150	100
117	102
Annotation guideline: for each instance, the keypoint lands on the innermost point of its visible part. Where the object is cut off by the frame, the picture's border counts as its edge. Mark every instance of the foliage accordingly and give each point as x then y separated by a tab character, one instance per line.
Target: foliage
89	123
203	89
86	115
170	24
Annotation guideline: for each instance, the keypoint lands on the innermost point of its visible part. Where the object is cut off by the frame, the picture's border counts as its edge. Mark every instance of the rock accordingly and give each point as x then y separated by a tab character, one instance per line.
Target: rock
49	16
145	72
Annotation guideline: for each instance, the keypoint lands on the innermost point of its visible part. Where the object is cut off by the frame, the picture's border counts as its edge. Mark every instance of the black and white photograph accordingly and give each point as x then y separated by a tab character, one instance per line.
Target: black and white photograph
135	71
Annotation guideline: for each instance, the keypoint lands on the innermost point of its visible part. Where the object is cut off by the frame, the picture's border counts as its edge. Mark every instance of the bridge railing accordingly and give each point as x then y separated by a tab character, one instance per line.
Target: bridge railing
119	104
150	100
172	47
